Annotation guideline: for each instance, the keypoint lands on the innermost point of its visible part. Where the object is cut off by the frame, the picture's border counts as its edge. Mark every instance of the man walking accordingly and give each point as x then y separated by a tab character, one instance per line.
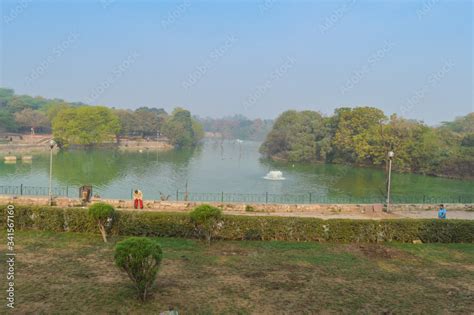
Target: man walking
442	212
137	199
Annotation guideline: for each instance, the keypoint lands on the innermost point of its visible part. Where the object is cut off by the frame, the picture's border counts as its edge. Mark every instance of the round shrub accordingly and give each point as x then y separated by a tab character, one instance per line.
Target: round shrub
206	219
103	215
140	258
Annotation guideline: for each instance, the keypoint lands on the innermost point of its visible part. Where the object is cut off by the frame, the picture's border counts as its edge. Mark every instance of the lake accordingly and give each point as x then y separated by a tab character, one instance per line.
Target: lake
235	169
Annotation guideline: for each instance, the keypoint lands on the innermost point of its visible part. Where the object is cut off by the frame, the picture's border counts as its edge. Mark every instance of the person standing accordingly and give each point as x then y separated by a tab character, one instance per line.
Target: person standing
442	212
137	199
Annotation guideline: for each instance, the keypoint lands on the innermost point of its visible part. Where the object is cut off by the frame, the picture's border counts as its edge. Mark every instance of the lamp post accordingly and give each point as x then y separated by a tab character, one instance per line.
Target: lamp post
52	144
390	157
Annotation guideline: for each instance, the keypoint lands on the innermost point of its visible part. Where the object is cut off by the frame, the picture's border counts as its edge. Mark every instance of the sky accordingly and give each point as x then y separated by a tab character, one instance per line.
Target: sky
256	58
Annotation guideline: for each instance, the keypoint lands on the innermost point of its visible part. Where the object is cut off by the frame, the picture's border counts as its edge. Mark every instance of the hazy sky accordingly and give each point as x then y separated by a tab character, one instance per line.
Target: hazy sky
257	58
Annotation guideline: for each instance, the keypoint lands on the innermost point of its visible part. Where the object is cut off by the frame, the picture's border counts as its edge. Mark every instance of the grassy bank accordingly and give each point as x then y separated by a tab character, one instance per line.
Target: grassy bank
74	273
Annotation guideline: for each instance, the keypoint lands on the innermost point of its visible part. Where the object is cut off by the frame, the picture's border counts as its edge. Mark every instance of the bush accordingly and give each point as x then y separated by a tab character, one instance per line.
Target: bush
140	258
103	214
206	219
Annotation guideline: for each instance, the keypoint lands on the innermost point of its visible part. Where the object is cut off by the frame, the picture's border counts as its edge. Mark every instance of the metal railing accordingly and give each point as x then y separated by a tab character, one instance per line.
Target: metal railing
23	190
311	198
303	198
307	198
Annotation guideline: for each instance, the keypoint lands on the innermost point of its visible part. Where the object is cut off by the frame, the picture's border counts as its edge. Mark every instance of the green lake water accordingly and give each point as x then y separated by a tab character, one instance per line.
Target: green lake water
235	169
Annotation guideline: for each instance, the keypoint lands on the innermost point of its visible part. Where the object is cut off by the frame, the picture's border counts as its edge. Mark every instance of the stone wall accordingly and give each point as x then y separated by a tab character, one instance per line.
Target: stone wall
237	207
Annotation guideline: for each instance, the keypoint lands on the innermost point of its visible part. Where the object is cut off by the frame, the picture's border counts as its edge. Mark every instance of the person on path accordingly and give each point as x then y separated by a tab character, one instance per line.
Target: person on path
442	212
137	199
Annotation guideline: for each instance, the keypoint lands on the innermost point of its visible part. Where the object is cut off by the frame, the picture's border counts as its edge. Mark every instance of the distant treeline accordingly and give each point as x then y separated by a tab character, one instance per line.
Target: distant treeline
364	136
78	123
238	127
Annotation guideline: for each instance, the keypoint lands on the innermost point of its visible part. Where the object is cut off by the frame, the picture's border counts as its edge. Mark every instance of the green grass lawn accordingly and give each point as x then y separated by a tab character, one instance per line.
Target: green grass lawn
58	273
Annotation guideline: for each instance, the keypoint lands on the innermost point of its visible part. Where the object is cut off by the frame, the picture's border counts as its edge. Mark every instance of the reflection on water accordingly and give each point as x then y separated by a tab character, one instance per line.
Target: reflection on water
216	166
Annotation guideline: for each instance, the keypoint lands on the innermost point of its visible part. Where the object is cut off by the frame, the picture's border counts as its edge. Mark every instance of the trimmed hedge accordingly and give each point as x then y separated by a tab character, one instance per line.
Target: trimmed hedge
139	223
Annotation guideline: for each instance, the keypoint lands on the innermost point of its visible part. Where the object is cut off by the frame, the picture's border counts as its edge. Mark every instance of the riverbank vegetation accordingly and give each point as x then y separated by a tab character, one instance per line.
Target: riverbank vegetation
364	136
82	124
243	277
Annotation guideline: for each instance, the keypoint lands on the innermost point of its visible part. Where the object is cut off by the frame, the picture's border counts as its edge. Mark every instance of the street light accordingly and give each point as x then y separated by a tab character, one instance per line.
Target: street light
52	144
390	157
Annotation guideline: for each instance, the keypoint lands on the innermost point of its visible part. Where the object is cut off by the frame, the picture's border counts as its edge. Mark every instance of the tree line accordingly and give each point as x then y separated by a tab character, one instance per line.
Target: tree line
238	127
365	135
82	124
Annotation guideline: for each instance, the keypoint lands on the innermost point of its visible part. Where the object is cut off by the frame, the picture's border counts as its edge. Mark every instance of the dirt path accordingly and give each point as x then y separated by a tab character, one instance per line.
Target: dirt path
464	215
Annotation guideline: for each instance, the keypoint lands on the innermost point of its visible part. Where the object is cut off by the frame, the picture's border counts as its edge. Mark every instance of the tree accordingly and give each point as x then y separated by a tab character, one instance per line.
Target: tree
277	143
7	122
103	215
144	121
181	129
468	140
129	125
29	118
354	129
5	96
156	111
53	108
85	125
237	127
6	93
206	219
198	130
464	124
140	258
298	136
149	122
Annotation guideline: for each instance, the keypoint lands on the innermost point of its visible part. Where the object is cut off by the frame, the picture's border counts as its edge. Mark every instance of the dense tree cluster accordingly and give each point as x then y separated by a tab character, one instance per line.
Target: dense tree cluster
364	135
144	121
181	129
238	127
20	113
85	125
78	123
